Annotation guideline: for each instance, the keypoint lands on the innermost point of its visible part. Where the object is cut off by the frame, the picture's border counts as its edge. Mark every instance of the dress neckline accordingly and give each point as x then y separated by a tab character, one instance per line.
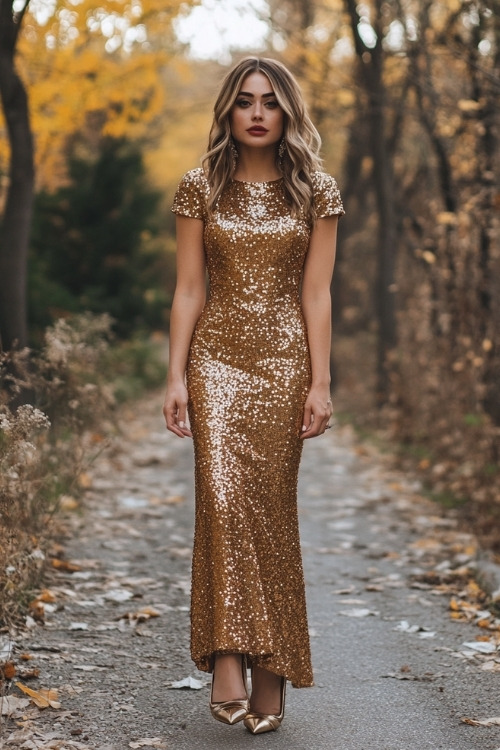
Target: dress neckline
257	182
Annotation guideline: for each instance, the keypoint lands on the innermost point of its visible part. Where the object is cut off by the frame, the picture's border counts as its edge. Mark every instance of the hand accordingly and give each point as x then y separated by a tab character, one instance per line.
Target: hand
317	413
175	410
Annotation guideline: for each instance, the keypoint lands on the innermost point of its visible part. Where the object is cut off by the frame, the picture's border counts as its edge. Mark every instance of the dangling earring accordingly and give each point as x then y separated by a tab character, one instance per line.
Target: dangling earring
234	153
281	152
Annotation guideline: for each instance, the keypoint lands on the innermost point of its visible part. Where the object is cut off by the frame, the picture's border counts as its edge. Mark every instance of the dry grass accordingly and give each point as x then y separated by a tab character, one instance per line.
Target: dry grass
438	433
44	444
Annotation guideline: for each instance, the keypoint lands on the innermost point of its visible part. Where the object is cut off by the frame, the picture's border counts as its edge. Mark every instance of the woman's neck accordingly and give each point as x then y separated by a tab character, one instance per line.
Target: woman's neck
256	165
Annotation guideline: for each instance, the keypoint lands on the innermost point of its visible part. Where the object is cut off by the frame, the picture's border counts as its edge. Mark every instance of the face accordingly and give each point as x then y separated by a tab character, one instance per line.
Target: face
256	117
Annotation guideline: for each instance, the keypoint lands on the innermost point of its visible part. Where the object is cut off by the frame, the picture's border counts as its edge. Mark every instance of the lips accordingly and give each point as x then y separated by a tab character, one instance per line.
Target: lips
257	130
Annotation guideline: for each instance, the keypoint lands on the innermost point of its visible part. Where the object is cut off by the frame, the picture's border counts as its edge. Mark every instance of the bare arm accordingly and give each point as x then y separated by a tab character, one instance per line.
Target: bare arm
316	307
188	302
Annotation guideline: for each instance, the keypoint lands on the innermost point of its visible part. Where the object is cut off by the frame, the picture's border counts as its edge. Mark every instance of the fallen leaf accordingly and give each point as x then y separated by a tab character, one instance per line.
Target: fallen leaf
65	565
47	596
149	611
494	721
8	670
118	595
343	592
41	698
143	614
484	623
405	627
10	704
358	612
484	647
188	682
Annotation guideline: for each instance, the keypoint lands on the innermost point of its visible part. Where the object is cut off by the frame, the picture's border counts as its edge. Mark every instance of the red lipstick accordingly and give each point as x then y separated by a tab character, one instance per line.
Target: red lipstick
257	130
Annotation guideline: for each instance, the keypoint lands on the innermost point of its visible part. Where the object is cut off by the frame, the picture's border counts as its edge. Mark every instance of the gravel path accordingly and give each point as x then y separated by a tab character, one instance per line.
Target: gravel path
391	668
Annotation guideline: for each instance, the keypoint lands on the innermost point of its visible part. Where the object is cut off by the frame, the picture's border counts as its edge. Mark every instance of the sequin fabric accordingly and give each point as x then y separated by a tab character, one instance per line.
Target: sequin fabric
248	375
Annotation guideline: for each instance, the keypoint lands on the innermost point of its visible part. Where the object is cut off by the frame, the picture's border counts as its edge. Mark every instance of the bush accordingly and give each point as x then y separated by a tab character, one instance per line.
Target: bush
73	385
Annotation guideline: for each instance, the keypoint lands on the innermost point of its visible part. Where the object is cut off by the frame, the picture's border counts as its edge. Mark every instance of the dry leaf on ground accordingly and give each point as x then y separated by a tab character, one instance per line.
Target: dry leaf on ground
10	704
141	615
41	698
405	627
484	647
358	613
65	565
494	721
188	682
7	670
118	595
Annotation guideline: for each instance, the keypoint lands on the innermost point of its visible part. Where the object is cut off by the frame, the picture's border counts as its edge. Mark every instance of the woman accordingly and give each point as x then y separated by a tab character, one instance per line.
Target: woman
250	366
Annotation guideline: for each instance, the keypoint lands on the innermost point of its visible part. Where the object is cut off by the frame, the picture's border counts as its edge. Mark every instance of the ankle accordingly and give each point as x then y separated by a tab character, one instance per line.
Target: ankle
266	691
227	679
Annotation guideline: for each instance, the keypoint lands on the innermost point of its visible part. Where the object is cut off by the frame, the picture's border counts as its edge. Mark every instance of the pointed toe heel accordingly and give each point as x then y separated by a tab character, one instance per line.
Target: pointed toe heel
257	723
231	712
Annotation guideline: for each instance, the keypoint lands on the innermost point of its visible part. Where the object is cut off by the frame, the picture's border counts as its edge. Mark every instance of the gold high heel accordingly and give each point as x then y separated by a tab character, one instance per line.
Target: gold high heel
259	723
230	712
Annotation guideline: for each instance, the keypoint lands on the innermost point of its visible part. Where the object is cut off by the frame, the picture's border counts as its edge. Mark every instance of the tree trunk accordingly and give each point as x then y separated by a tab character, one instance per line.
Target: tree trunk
15	226
371	61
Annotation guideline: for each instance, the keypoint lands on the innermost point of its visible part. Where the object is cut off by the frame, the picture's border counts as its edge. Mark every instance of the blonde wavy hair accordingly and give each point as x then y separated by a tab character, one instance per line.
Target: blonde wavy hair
301	139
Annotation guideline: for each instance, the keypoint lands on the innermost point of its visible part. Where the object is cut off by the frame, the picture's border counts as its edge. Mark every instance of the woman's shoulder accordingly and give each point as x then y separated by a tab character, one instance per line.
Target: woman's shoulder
195	178
191	194
326	195
323	180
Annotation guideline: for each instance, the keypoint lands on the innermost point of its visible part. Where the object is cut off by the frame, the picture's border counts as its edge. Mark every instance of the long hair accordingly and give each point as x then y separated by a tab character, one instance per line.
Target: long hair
301	139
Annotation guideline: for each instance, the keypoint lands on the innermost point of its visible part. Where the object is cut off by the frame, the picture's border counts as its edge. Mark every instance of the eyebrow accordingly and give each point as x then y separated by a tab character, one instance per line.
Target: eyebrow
247	93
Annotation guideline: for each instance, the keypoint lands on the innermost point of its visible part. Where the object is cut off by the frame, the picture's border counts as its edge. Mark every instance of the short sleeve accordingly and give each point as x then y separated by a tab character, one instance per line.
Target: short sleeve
327	199
191	195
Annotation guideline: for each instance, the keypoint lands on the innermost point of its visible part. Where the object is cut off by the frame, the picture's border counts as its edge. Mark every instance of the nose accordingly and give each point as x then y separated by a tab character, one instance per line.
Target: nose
257	112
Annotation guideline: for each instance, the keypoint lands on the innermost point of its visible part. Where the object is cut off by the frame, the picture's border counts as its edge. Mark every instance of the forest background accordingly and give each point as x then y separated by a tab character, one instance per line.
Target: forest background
406	96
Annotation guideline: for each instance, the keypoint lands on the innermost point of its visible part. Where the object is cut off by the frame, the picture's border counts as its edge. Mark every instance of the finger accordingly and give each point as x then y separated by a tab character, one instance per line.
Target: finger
306	420
176	425
180	431
183	420
318	425
182	416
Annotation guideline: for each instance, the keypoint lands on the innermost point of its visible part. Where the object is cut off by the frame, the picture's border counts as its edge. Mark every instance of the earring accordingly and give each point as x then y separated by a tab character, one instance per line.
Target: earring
281	151
234	153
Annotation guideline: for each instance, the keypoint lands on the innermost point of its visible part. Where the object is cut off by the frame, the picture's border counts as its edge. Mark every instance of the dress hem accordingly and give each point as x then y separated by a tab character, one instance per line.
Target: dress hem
206	664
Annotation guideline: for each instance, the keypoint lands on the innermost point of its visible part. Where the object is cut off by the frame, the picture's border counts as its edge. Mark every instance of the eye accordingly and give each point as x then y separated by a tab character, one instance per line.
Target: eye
242	103
272	104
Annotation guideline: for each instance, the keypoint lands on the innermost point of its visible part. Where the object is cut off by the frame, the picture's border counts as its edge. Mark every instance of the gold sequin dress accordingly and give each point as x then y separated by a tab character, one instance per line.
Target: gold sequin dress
248	376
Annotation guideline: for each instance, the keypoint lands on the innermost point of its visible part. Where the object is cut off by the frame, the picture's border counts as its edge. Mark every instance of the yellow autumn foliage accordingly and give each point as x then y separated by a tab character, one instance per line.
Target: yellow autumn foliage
95	67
